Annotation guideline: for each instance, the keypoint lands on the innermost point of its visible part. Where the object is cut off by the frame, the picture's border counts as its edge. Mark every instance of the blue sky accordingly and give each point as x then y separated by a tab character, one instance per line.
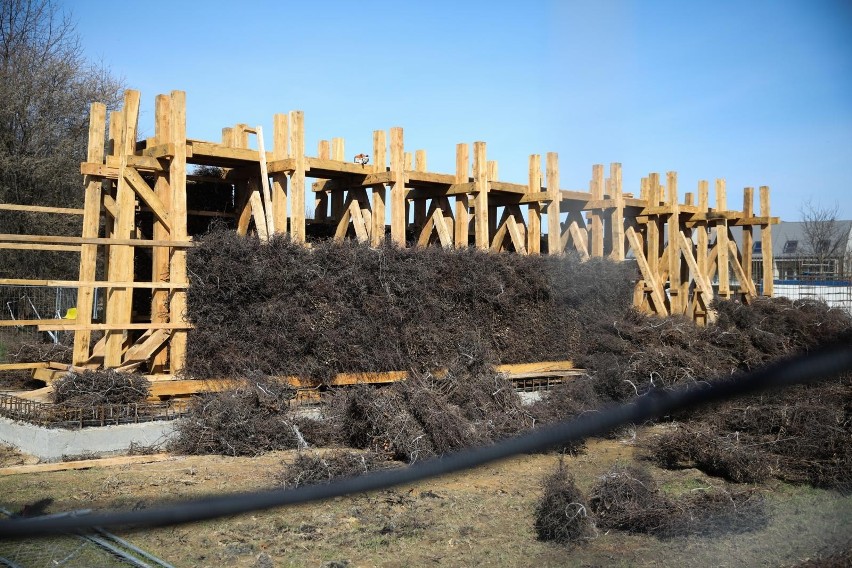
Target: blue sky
757	92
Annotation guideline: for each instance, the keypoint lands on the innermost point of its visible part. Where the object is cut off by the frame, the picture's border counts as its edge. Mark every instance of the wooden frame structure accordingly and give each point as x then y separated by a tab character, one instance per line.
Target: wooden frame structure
680	248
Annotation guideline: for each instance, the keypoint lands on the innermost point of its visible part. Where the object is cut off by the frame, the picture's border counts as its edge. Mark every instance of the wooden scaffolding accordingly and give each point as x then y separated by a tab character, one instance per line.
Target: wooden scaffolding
685	250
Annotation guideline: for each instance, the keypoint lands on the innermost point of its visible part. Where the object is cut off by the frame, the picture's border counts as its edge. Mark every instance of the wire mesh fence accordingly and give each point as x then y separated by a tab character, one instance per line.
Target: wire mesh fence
836	292
101	549
70	416
21	303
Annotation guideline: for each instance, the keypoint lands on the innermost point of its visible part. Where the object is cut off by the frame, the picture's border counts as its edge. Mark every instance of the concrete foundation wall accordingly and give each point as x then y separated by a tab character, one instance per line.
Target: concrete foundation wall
50	444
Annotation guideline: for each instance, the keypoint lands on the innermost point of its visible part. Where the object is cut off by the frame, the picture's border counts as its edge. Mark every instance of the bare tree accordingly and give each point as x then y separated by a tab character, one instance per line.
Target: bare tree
825	237
46	86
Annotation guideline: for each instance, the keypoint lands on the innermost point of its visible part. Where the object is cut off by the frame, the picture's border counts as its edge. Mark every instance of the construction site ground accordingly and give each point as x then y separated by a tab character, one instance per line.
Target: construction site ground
483	517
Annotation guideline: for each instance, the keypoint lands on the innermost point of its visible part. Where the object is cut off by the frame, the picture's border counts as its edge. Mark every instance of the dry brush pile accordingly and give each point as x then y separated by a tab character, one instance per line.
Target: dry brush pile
97	388
627	498
283	309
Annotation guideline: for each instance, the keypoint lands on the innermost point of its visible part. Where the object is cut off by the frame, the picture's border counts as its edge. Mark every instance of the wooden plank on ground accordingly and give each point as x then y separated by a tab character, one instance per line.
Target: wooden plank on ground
22	366
83	464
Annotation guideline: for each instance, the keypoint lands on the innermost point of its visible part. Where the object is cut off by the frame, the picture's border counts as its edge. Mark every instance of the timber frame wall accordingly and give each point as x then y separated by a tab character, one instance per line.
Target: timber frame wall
680	248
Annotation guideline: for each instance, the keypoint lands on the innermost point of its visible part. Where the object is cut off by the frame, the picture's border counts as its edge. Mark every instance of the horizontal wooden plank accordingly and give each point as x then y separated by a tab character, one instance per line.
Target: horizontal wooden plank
200	150
144	163
415	177
285	165
24	322
39	246
56	239
40	209
160	151
507	187
83	464
353	181
92	284
22	366
335	166
110	326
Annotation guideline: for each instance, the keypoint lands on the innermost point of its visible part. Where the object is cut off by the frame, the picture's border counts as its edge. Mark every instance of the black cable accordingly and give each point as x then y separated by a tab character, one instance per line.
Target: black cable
819	364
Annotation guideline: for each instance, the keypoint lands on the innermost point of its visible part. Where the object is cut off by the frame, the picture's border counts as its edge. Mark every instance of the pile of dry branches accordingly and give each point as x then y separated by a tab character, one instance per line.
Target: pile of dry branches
628	499
247	421
562	514
424	416
283	309
311	468
96	388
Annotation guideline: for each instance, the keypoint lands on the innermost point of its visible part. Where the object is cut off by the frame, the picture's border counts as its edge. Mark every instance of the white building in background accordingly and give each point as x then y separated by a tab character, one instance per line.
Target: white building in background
804	269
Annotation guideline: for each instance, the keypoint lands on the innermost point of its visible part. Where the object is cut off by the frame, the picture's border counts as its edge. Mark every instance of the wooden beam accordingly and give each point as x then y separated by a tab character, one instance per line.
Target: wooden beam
83	464
40	209
160	269
265	191
297	178
676	302
597	190
29	322
462	203
700	279
399	207
110	326
750	291
722	241
62	240
21	366
534	208
647	273
89	284
177	262
119	300
36	246
617	220
554	232
280	151
144	191
378	190
480	200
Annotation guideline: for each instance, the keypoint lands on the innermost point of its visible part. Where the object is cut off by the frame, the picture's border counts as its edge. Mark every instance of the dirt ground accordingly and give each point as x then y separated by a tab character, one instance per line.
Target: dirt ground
478	518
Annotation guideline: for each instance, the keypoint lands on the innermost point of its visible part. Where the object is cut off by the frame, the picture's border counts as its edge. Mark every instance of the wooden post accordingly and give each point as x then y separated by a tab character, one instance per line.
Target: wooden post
177	180
654	242
160	255
748	235
676	303
399	209
116	130
766	245
702	247
722	241
297	179
462	226
554	226
597	190
618	212
280	151
91	222
377	231
534	186
480	198
119	300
